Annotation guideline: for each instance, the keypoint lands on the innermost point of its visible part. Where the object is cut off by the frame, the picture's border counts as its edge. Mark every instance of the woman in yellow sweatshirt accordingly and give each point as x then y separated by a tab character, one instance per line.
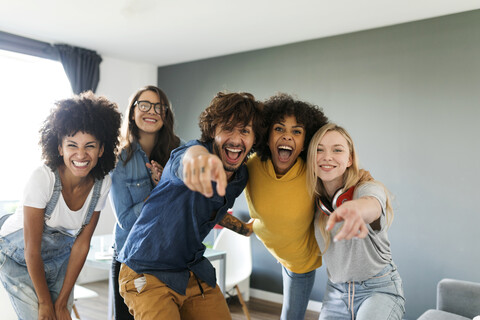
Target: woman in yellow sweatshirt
278	200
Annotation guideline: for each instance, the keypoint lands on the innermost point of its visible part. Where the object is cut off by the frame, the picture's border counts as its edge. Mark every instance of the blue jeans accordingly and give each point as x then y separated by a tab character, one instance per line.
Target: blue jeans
297	288
55	250
56	245
380	297
16	280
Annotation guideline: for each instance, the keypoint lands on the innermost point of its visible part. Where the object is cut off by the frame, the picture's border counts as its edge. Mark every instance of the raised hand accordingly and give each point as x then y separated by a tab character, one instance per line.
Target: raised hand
200	168
353	227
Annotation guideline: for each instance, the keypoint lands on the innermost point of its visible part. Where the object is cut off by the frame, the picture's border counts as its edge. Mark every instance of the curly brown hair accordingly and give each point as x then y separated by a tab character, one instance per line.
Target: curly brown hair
82	113
230	110
281	105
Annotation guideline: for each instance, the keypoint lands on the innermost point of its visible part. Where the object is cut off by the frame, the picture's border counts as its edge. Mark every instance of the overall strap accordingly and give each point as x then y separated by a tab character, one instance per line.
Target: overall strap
57	189
97	187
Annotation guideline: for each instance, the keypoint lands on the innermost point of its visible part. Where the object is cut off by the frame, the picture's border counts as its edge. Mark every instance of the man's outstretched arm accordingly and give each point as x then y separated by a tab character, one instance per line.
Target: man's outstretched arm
200	168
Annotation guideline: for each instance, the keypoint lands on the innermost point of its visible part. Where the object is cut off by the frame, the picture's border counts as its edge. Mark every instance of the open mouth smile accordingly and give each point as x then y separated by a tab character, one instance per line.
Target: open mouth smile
327	167
150	120
233	154
284	153
80	164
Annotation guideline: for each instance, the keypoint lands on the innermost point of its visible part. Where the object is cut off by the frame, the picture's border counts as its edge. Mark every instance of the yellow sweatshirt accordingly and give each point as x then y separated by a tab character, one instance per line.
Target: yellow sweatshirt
283	213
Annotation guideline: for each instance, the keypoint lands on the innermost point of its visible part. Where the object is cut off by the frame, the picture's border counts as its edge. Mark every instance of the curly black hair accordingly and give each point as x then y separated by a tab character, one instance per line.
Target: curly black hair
82	113
281	105
229	110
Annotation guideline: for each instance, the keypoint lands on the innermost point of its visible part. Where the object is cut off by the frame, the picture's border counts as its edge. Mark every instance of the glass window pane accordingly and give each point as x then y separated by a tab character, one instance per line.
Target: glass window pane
28	88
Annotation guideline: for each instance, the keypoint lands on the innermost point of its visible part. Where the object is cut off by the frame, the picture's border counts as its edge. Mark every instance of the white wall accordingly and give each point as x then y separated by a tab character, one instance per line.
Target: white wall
118	80
121	78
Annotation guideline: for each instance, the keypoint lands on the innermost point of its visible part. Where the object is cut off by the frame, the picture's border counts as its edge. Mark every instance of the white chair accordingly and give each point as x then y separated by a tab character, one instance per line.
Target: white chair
80	292
239	262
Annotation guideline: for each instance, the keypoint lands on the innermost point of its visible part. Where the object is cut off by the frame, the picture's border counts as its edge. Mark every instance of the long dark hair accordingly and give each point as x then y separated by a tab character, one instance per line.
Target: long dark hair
165	140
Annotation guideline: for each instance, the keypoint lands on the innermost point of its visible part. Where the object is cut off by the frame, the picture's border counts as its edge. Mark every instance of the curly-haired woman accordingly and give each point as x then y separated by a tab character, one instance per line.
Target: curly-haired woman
278	198
44	244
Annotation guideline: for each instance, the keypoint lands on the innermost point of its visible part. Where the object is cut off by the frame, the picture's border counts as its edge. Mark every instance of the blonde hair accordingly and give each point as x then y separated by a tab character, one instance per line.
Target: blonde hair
353	176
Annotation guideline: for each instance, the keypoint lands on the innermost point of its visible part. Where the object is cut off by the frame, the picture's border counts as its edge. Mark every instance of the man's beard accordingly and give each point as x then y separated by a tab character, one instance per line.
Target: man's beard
218	151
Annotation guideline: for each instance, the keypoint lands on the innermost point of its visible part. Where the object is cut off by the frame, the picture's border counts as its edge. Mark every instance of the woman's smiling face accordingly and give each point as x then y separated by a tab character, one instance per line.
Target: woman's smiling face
333	159
80	153
148	122
286	140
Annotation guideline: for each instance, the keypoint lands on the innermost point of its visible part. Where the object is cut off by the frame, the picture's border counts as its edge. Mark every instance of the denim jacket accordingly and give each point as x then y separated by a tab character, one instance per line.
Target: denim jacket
131	185
166	240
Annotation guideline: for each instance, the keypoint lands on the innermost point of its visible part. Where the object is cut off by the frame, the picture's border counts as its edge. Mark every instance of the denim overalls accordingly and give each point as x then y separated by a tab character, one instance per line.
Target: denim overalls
55	250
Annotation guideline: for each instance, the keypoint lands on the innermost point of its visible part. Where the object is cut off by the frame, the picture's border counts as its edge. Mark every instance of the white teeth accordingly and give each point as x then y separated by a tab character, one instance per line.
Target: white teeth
149	120
285	148
80	164
233	150
327	167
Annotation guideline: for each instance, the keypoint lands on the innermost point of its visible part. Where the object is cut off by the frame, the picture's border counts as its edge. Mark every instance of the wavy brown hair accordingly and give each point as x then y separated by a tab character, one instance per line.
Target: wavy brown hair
230	110
283	105
165	140
82	113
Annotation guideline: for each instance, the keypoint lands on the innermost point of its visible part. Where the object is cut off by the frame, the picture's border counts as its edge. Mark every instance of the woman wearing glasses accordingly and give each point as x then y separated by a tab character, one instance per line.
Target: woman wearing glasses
147	140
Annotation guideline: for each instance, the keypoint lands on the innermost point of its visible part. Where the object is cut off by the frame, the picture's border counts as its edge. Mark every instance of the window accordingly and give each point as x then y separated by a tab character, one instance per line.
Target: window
28	88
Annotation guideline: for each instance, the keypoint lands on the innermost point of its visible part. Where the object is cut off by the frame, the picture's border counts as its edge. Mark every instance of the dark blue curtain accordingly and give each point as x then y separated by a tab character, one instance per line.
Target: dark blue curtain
82	67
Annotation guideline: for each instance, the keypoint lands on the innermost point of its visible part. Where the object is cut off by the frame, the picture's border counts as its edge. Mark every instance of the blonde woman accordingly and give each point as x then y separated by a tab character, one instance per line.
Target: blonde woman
351	222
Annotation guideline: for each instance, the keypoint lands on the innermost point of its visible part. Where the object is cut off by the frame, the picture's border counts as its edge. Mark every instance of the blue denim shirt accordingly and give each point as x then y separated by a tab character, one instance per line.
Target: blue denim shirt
131	185
166	240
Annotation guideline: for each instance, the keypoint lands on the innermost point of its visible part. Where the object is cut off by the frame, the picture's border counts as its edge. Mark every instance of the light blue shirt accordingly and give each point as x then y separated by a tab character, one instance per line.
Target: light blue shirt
131	185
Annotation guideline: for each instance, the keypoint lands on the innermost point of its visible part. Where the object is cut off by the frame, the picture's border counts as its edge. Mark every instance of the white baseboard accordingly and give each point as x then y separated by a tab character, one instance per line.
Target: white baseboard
278	298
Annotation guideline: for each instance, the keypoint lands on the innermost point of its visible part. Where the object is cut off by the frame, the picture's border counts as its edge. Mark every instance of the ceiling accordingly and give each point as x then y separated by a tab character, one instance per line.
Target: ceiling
163	32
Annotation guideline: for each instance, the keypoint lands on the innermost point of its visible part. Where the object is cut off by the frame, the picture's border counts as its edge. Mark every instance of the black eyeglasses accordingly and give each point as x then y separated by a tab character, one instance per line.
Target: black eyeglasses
145	106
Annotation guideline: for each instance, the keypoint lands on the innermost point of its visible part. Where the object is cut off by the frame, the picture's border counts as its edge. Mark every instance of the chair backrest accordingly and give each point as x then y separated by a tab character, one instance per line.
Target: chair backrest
459	297
239	255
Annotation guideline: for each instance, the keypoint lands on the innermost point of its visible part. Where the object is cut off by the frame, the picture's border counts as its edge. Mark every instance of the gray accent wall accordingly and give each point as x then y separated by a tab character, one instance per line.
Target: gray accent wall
409	95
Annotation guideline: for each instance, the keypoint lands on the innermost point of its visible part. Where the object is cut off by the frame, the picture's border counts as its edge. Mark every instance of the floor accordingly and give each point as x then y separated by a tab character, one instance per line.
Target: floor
96	308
